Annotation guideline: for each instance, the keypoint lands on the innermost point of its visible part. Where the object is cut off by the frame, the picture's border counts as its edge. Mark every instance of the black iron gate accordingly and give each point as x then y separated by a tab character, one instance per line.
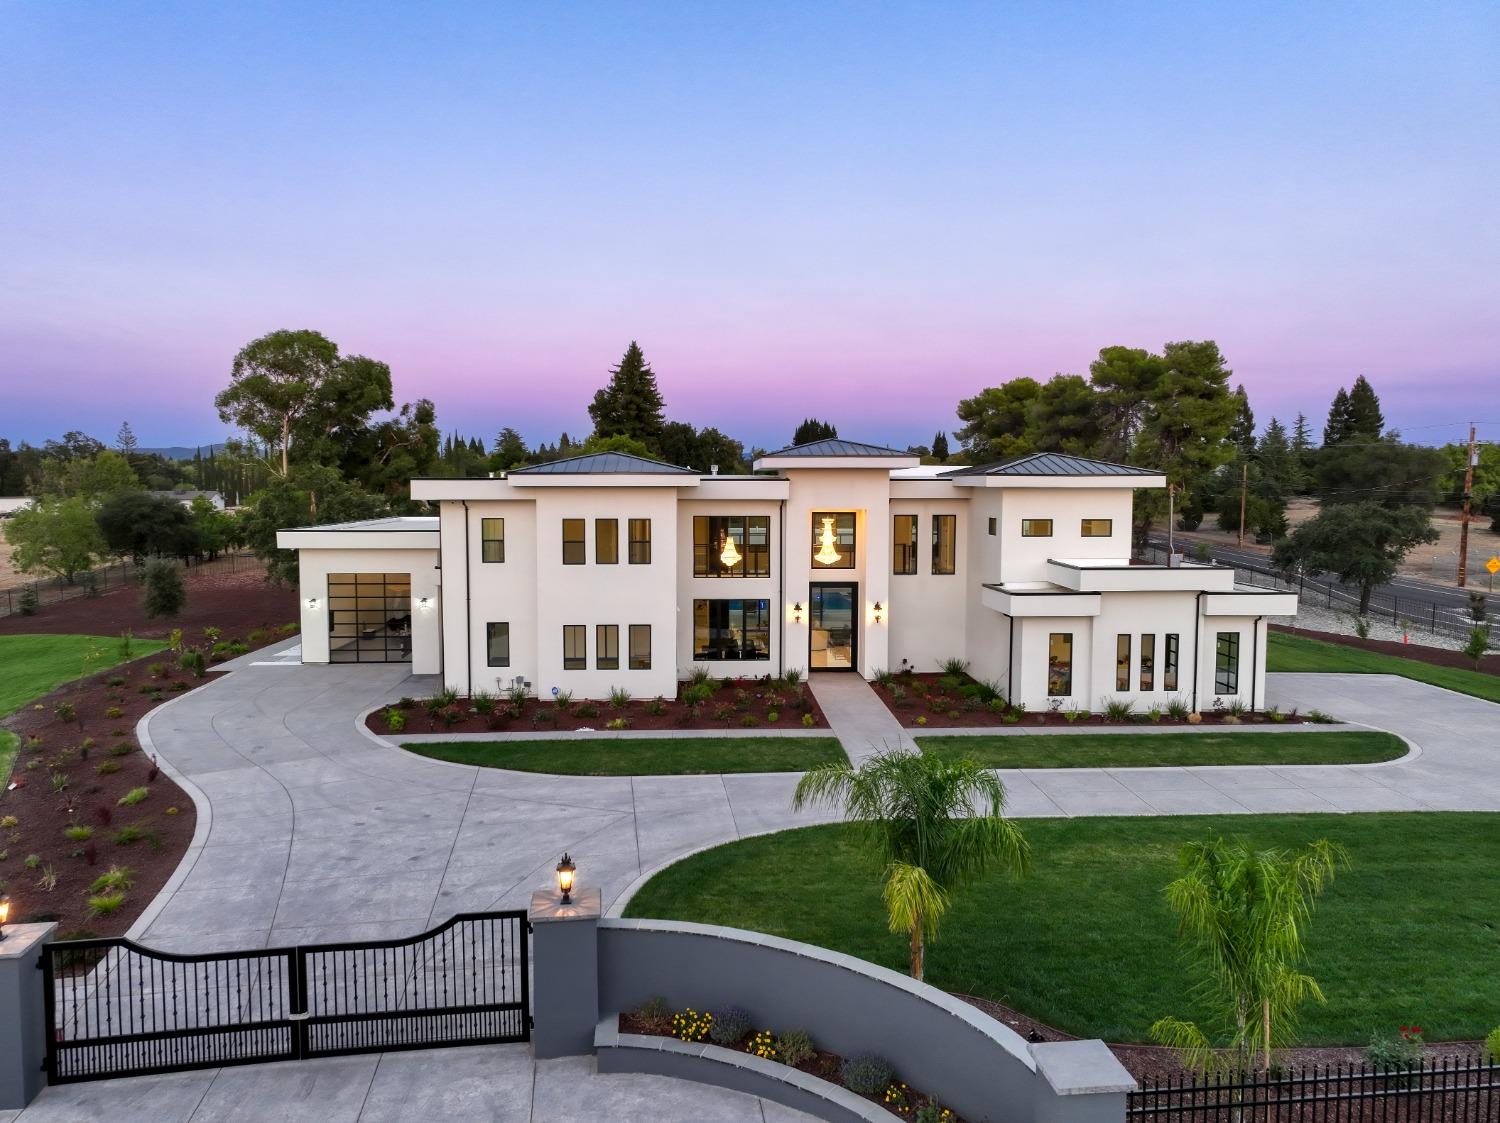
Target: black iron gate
115	1008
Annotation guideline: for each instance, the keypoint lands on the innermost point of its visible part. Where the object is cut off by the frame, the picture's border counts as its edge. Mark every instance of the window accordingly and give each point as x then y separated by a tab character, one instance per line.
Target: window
1148	663
369	617
1097	528
573	553
993	521
904	555
640	542
833	540
607	647
606	541
640	647
750	536
497	644
1227	663
1059	664
575	647
1169	664
944	544
1036	528
731	629
1122	662
492	540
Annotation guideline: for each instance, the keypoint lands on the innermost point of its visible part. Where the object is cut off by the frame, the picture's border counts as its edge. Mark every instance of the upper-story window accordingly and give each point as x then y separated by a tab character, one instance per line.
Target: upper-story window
572	542
1097	528
606	541
944	544
731	545
492	540
1036	528
904	545
639	547
993	521
833	539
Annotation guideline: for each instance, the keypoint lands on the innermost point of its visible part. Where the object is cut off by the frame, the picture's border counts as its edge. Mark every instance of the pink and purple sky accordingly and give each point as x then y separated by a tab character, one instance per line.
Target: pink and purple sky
854	211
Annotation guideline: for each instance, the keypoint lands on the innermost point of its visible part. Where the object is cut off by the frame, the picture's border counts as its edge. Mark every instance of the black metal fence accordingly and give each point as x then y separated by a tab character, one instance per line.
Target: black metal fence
54	590
117	1008
1448	1090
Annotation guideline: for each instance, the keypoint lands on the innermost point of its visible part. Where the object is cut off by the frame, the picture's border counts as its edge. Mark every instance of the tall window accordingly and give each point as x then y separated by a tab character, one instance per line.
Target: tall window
640	647
573	551
904	545
607	647
1036	528
1097	528
1227	663
944	544
606	541
1059	664
1148	663
492	540
497	644
731	545
575	647
640	542
992	522
1169	664
833	540
1122	662
731	629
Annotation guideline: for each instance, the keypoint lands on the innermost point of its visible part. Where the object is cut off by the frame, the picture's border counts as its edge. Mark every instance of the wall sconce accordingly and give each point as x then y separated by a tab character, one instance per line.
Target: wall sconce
4	915
565	871
424	603
313	603
797	613
879	612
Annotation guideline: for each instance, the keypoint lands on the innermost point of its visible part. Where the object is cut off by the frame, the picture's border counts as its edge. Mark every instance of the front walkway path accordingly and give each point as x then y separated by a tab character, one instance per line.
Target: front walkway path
860	720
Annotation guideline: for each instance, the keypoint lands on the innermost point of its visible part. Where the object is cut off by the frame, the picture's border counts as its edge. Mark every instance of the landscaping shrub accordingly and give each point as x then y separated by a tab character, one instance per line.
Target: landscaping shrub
1492	1045
586	710
194	663
762	1045
808	721
690	1025
132	797
655	1017
955	668
1401	1050
866	1074
116	880
1118	709
395	720
793	1047
749	721
657	706
78	832
165	594
730	1025
619	697
617	723
483	702
27	603
702	676
103	904
562	699
792	676
697	693
107	768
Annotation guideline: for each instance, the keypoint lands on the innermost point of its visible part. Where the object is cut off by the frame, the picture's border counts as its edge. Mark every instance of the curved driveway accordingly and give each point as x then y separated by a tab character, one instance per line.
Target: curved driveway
311	830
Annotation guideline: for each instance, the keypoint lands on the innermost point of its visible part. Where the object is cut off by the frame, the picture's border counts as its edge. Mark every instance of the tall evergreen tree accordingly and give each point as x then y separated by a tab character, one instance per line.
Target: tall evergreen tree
1277	472
1303	453
1366	422
630	405
1337	428
812	429
125	440
1242	432
940	446
510	451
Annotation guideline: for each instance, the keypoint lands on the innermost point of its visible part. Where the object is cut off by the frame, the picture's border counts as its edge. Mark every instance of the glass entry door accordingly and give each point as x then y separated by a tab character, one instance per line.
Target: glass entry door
833	627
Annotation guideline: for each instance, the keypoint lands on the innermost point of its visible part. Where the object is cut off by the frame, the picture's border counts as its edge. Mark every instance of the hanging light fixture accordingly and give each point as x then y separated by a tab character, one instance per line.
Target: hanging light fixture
826	554
730	556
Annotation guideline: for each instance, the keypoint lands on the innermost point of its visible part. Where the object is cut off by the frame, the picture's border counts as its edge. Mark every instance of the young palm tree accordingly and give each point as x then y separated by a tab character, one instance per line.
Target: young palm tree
1244	913
935	823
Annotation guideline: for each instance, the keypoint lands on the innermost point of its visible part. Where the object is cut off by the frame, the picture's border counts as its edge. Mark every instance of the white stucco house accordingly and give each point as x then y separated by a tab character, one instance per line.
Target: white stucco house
610	570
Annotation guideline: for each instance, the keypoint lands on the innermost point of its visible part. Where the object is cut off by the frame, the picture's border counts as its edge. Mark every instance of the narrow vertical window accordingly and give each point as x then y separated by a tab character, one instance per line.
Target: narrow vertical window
1148	663
1227	663
607	647
944	544
575	647
992	521
904	545
492	540
1122	661
640	647
1169	664
1059	664
606	541
497	644
572	542
640	542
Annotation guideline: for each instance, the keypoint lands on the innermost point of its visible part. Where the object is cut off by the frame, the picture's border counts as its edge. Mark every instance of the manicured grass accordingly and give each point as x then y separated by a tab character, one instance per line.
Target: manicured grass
9	743
1299	653
36	664
1137	750
1086	942
645	756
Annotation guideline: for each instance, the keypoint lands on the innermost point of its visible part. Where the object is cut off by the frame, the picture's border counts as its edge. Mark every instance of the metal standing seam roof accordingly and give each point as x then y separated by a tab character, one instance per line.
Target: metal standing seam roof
833	446
1052	464
603	464
408	523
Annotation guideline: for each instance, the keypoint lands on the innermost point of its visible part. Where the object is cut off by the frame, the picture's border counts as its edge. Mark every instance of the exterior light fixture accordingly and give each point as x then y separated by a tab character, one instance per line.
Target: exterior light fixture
424	602
565	871
312	604
826	554
730	555
4	915
879	612
797	613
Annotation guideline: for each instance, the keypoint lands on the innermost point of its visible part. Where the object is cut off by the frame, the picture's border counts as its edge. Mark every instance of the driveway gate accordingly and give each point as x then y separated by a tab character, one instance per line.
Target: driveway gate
116	1008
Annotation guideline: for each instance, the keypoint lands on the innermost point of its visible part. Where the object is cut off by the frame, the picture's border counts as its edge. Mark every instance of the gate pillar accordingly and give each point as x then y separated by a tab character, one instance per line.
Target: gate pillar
23	1014
565	973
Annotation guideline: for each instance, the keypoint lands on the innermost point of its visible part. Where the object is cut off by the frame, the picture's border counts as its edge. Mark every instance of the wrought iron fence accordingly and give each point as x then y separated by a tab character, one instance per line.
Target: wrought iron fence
54	590
1446	1090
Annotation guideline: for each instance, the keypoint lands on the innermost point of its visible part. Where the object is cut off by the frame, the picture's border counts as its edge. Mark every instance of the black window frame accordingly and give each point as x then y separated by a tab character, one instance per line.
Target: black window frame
1056	670
613	539
993	526
1146	672
1085	532
1227	663
606	639
714	618
843	522
1171	656
579	554
635	663
638	541
1122	660
486	540
489	643
1027	532
938	523
904	554
755	557
579	632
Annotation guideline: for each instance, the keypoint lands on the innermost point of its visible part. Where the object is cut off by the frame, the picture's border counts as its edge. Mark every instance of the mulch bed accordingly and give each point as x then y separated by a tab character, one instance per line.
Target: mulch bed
943	701
1437	656
743	703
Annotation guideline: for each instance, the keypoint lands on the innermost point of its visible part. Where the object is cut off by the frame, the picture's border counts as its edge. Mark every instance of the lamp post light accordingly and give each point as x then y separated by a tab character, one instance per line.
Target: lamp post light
565	871
4	915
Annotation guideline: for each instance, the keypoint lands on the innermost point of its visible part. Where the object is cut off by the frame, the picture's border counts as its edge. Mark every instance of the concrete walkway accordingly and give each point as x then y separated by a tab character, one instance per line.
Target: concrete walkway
860	720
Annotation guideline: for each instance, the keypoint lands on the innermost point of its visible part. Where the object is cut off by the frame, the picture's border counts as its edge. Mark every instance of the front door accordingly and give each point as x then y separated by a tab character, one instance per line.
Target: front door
834	627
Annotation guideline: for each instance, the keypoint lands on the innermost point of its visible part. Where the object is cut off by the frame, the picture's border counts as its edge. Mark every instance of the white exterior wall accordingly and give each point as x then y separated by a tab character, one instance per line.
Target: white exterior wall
1138	614
499	592
929	615
1025	559
1028	680
314	566
690	588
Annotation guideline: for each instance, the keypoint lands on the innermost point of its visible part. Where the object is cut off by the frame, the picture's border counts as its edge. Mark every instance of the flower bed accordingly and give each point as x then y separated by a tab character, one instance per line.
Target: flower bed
955	700
866	1075
701	703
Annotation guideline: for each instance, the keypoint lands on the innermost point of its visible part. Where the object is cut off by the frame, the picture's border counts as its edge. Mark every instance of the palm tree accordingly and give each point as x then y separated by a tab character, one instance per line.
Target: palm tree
936	824
1243	913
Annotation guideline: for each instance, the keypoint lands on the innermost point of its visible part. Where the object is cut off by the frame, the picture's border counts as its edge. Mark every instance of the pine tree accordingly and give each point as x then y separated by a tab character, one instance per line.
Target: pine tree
1337	428
812	429
1366	422
125	440
940	446
1277	473
631	404
1242	432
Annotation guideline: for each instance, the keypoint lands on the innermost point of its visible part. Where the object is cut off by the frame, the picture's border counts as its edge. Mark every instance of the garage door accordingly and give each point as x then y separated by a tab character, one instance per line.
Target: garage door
369	617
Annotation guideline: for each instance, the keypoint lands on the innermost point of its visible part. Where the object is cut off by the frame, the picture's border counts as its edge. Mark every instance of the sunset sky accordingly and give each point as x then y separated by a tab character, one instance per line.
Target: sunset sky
854	211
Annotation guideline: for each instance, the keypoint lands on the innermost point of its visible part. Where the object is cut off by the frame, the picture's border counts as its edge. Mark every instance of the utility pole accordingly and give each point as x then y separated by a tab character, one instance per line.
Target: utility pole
1244	486
1463	531
1171	519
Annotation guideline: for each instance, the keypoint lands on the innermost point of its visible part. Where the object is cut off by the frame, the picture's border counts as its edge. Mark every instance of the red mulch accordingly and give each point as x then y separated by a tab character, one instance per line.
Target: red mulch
1437	656
737	704
936	701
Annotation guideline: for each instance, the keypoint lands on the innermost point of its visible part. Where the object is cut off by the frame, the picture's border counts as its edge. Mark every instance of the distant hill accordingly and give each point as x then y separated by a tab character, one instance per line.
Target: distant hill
180	452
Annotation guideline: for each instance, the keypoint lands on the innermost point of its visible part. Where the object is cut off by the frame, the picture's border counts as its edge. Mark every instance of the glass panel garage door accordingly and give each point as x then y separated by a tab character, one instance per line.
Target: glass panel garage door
369	617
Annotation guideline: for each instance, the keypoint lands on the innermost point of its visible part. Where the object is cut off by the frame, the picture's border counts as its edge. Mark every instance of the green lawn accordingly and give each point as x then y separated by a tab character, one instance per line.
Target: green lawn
1134	750
1299	653
645	756
34	665
1410	933
9	743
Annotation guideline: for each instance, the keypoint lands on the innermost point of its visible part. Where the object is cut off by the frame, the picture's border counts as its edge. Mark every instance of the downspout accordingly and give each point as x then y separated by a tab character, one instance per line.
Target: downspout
781	584
1254	658
468	606
1010	665
1197	655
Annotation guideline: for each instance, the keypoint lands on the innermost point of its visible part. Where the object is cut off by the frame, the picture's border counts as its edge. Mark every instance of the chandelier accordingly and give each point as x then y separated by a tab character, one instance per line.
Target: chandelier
826	554
729	556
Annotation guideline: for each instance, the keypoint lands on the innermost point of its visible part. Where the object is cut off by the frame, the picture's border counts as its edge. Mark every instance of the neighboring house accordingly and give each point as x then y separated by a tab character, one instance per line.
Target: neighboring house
10	504
215	499
610	570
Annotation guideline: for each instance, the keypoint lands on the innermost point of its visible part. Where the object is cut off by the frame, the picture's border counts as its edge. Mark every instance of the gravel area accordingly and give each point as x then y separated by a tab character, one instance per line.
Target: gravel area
1319	619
